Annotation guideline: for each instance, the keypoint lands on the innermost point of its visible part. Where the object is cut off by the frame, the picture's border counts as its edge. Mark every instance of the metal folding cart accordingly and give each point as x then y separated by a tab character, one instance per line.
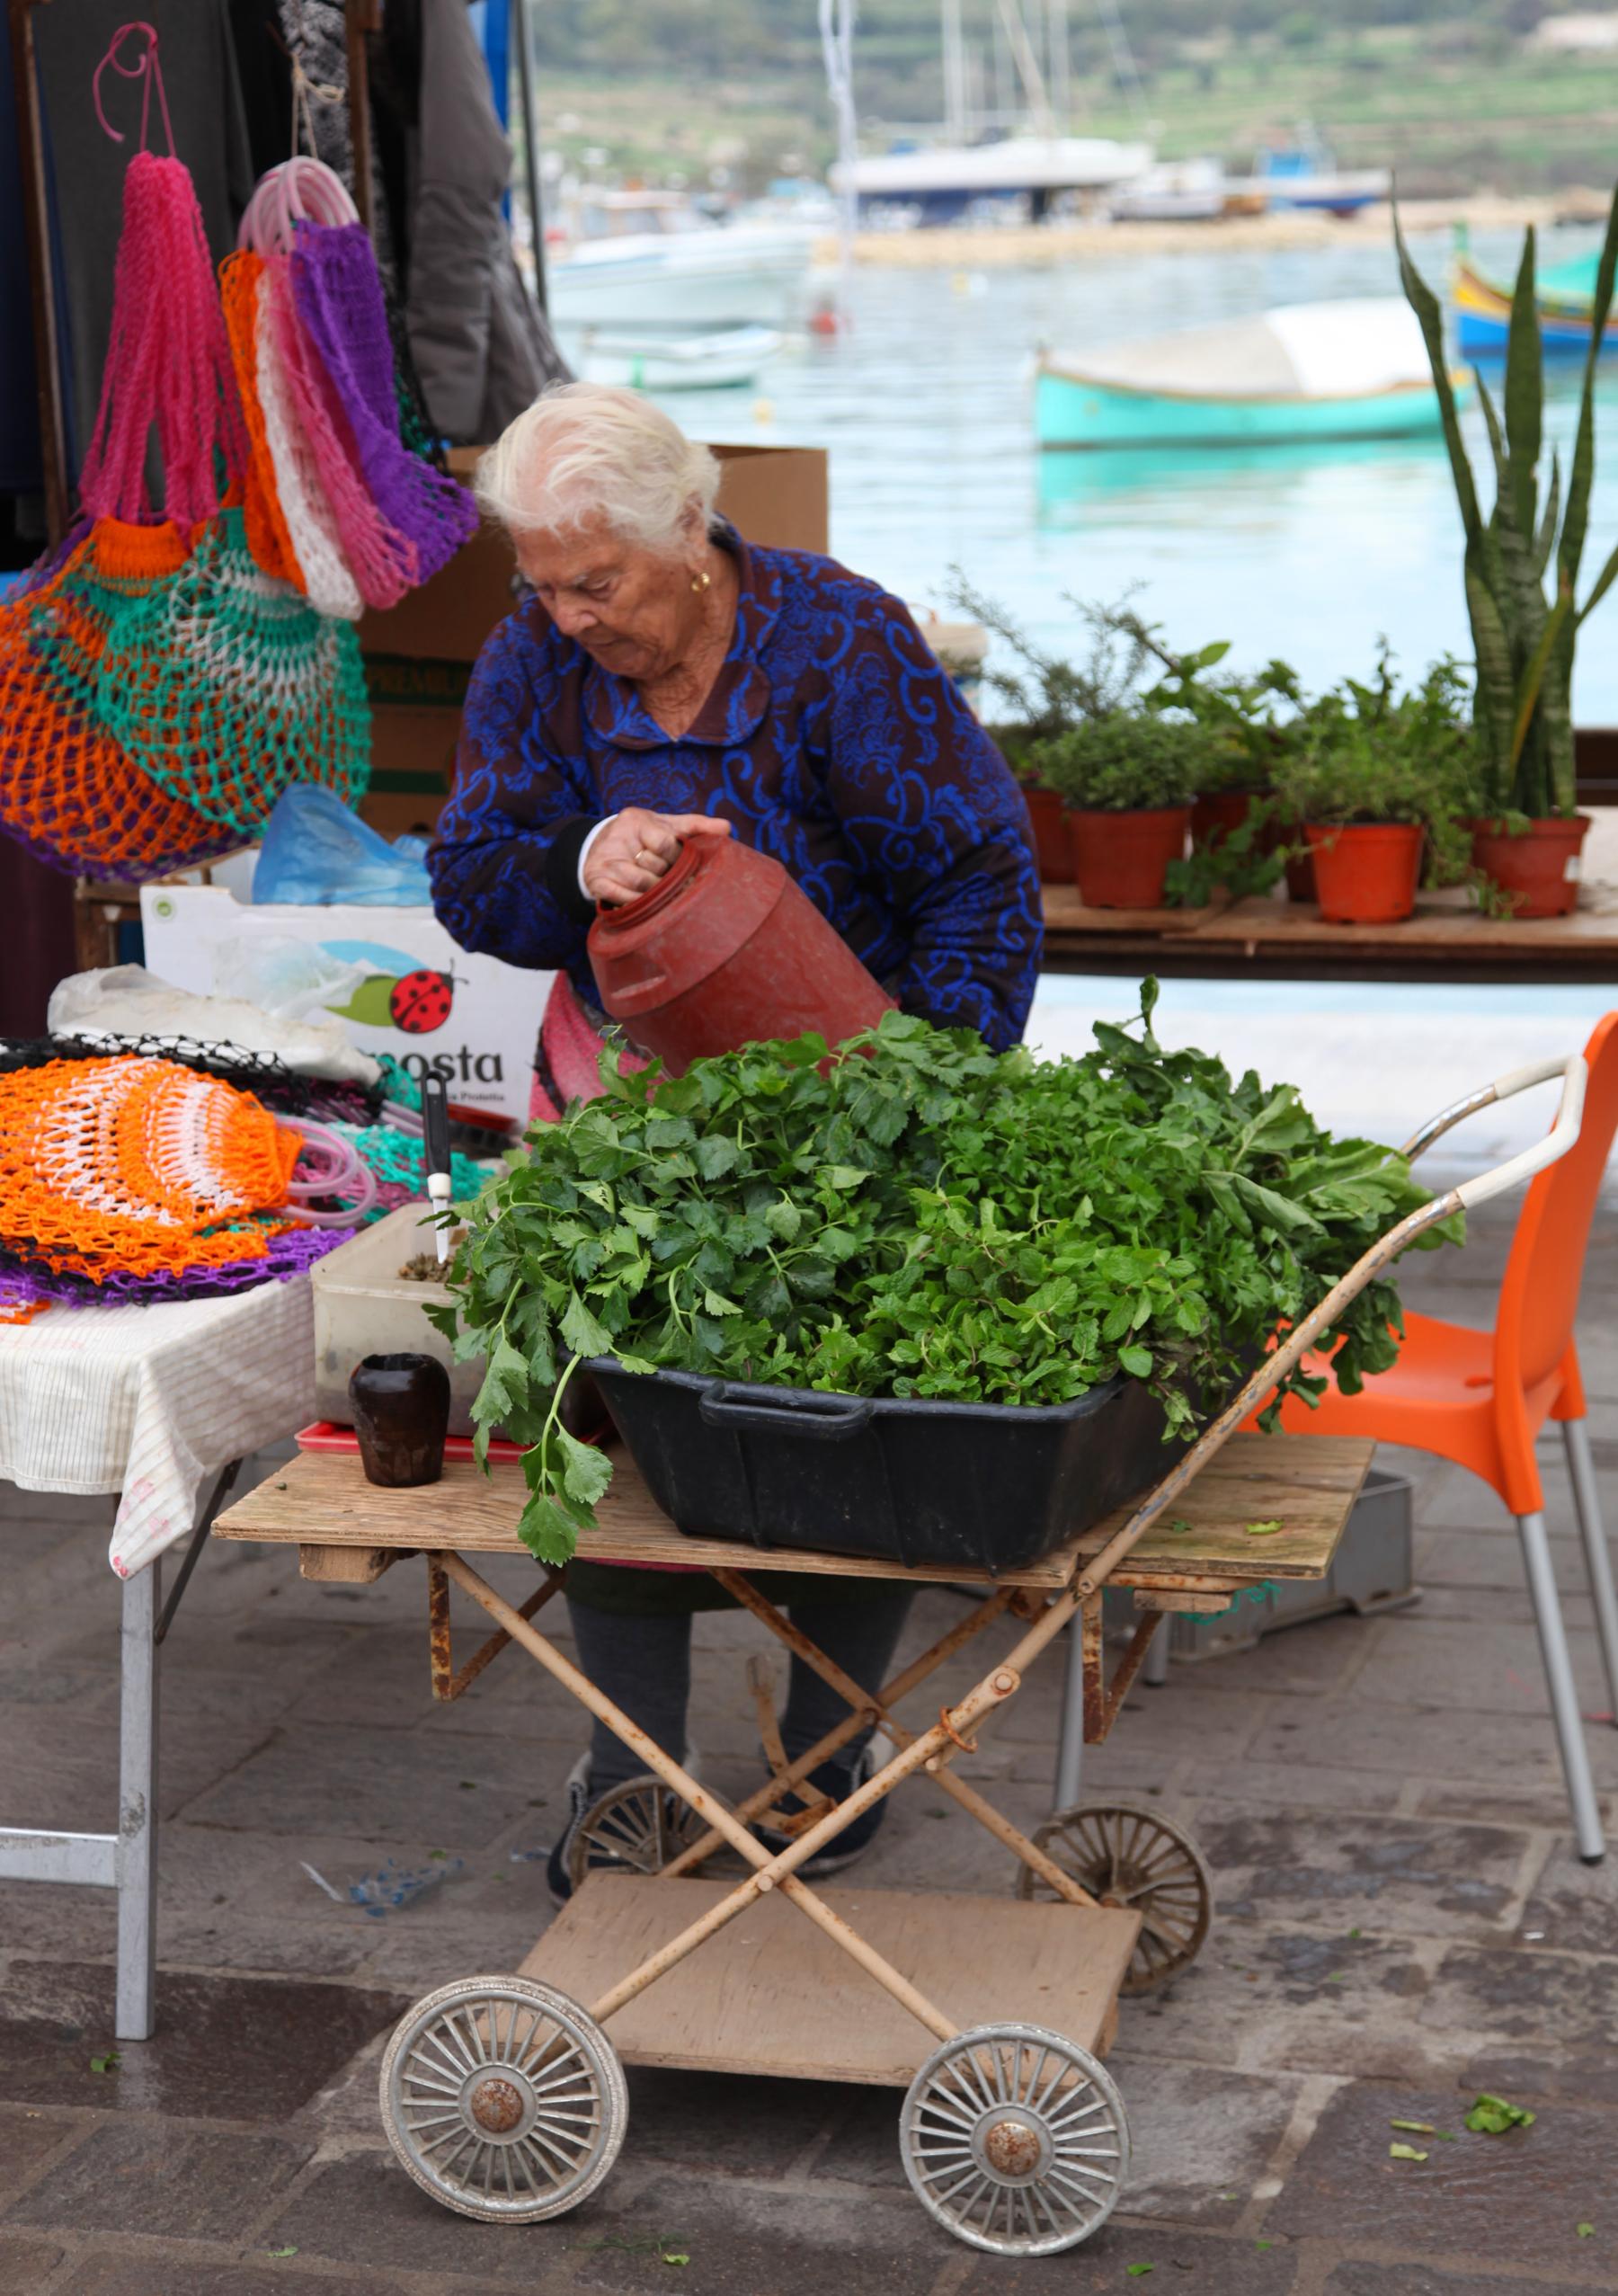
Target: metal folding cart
504	2097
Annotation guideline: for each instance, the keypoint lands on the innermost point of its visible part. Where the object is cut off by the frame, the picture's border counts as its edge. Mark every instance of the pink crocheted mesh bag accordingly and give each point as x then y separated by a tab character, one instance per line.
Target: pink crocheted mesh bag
168	363
383	561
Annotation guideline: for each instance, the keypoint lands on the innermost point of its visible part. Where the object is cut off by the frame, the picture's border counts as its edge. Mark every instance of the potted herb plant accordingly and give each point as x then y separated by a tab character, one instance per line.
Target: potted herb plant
1129	779
1376	778
1045	694
1527	842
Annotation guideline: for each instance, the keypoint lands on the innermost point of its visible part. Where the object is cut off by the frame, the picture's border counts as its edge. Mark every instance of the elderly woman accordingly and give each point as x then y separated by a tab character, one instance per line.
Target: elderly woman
667	681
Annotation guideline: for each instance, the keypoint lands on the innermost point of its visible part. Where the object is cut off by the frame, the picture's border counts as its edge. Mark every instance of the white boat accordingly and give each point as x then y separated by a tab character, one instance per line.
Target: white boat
1356	369
645	259
943	179
714	359
1176	191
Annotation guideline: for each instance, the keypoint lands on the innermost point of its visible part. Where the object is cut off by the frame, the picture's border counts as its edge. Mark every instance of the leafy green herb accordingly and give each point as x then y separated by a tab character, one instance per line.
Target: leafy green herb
675	2256
1492	2116
1415	2128
1138	2271
930	1220
110	2063
1266	1530
281	2252
1584	2231
1405	2152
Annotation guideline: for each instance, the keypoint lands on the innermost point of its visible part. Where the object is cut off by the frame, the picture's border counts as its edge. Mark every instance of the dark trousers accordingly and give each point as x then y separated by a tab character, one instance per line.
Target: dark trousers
643	1665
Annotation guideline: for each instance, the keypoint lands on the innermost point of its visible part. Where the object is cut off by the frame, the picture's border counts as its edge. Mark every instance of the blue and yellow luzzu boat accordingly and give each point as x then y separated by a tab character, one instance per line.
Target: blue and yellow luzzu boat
1565	294
1304	371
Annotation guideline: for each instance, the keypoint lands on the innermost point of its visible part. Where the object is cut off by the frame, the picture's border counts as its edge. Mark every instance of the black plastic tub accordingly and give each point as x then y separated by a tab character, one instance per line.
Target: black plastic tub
991	1485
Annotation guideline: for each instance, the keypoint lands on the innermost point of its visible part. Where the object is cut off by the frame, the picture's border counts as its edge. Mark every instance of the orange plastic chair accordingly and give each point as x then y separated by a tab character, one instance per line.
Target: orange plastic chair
1480	1398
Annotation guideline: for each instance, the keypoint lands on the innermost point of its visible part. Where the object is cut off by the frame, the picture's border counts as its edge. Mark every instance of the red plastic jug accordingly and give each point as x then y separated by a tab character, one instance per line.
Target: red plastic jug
725	950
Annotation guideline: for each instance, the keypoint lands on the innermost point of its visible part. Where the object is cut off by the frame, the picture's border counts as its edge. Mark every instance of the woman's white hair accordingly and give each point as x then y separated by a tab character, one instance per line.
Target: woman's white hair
586	450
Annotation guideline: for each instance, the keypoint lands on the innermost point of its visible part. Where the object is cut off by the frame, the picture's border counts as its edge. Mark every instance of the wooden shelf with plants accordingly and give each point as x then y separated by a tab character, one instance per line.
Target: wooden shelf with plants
1427	827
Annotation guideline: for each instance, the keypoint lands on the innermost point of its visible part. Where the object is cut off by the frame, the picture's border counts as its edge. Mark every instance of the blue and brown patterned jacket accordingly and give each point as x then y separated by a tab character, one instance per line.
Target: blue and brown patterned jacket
831	739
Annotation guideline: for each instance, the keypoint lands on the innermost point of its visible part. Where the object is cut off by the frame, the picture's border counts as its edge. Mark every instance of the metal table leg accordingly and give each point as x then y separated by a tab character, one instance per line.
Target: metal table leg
136	1856
126	1861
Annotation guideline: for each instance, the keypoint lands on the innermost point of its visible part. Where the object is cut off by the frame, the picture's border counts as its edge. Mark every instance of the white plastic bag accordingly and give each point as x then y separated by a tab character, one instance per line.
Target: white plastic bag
126	1001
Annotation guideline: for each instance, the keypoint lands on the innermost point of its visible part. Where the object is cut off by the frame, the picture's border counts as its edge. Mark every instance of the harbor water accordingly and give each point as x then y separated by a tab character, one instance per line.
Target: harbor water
1307	553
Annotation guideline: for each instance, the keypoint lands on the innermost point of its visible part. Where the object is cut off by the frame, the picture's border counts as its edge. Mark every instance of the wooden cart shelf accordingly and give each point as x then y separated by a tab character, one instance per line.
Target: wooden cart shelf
981	1959
1307	1482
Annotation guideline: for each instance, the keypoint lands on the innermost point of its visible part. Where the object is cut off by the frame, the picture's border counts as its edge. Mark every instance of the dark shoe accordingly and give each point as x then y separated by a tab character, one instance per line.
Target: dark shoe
840	1782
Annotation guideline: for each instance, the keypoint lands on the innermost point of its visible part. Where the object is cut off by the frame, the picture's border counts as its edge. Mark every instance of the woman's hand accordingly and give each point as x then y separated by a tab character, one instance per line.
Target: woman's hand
636	848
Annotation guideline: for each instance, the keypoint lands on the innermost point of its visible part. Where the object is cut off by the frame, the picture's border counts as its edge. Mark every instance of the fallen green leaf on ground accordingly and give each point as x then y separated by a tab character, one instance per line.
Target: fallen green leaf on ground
106	2064
281	2252
1266	1530
1416	2128
1178	1523
675	2256
1585	2231
1492	2116
1405	2152
1138	2271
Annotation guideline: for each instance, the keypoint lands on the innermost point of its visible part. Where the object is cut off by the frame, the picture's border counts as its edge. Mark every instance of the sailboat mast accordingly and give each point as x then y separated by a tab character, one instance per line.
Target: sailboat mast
955	69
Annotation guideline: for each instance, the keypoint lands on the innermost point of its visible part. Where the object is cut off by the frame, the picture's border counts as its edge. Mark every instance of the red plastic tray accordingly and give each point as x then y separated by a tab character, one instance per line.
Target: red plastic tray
325	1435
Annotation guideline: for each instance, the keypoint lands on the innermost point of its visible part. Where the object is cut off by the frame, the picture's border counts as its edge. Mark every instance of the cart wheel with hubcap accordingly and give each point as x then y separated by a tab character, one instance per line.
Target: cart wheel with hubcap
639	1826
1127	1854
1014	2139
503	2100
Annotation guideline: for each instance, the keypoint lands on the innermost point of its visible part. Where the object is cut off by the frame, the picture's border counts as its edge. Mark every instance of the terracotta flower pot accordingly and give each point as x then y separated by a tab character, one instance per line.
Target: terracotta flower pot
1365	872
1048	816
1537	872
1218	814
1121	860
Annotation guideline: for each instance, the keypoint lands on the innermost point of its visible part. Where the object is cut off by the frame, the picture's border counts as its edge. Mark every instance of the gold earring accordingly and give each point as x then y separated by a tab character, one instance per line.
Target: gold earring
703	580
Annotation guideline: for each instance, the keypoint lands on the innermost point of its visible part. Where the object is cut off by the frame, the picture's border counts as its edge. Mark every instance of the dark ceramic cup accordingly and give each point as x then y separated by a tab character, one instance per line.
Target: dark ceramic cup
401	1411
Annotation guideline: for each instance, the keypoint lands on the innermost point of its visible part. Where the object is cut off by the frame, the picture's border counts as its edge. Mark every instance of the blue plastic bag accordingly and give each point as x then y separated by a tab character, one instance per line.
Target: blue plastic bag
317	852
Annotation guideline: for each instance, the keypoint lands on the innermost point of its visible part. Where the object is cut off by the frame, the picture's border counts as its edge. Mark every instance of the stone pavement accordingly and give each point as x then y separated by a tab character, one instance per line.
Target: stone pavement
1401	1922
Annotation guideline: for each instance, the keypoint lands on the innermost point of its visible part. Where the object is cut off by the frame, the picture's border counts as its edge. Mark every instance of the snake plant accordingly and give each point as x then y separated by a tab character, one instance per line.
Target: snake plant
1521	637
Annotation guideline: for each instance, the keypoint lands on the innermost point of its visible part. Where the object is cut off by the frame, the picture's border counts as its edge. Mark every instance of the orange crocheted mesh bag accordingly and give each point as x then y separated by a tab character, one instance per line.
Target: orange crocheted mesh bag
68	790
138	1166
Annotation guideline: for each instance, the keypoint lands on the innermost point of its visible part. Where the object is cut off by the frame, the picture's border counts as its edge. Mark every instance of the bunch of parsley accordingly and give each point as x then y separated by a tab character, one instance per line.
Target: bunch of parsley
929	1219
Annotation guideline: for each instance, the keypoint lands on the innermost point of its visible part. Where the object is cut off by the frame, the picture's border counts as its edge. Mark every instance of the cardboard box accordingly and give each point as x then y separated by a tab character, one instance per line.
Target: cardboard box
471	1020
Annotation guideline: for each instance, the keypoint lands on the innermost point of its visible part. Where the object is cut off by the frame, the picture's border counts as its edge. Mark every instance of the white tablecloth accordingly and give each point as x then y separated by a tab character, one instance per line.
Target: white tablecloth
152	1401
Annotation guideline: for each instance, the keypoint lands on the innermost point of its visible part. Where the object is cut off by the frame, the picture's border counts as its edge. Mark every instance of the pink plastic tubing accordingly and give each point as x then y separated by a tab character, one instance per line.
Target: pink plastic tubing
168	363
384	562
327	1166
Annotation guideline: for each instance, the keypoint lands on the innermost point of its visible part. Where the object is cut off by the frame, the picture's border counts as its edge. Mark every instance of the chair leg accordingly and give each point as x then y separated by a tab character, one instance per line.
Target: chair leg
1559	1681
1598	1561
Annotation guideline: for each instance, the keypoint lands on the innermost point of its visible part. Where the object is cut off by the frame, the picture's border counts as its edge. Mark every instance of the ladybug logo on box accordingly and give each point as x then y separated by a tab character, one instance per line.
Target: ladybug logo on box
402	993
416	1000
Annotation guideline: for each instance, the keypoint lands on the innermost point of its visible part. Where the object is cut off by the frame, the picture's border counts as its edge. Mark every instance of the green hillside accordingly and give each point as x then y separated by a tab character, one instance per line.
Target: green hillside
1455	99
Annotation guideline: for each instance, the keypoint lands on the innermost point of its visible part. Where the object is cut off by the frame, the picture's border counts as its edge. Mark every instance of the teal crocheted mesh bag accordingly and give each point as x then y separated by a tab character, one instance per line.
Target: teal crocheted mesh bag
225	685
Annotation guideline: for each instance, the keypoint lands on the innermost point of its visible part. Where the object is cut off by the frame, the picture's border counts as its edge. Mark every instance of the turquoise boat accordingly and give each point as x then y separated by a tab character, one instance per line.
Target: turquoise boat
1300	373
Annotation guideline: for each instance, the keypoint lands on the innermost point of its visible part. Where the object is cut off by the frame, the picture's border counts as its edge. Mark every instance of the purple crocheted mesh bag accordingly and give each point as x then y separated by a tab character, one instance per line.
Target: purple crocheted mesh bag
337	293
